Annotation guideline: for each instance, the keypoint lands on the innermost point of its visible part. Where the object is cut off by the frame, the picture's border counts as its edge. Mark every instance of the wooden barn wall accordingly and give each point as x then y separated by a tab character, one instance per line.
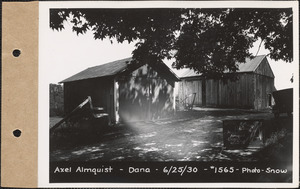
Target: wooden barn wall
100	90
219	93
263	86
144	95
264	69
249	91
235	94
186	87
212	87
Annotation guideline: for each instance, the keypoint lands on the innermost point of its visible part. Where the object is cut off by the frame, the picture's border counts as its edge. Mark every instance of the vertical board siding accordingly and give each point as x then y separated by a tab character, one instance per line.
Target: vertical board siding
264	69
143	93
238	93
188	87
212	92
249	91
264	86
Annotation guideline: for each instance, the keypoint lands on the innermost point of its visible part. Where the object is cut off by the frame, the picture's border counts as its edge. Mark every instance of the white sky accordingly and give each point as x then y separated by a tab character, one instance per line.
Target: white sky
69	53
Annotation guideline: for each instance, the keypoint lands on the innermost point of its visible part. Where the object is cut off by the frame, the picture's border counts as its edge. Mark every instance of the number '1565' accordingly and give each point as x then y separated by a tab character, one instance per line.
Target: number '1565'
223	169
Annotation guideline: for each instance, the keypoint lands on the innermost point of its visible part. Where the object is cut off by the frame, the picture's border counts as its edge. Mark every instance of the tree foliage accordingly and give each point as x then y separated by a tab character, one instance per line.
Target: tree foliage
210	41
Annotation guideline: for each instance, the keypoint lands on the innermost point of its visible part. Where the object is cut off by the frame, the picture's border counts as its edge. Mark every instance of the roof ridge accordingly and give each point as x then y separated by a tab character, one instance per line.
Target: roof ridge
111	69
110	62
241	70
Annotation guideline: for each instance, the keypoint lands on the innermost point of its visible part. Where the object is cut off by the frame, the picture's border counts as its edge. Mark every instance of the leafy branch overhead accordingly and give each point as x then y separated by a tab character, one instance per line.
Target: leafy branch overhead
210	41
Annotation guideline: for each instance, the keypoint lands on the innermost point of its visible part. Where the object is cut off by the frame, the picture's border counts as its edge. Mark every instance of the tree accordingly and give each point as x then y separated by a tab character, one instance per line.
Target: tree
210	41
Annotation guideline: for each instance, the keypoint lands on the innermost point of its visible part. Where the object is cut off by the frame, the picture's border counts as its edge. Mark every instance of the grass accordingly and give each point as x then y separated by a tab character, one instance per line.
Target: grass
278	147
276	136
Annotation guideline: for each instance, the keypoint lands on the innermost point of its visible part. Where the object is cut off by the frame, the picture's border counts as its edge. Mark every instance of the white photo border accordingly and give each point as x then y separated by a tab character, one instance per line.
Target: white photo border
43	114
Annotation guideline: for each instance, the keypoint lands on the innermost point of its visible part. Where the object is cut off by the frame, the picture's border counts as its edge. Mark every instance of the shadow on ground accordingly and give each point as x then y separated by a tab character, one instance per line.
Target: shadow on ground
188	136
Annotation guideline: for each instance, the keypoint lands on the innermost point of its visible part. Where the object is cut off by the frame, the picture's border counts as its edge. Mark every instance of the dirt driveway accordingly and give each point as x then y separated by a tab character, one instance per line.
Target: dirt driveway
189	136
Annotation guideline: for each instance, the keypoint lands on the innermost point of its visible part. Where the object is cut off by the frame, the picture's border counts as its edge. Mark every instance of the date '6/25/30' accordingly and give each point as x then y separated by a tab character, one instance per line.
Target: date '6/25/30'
180	170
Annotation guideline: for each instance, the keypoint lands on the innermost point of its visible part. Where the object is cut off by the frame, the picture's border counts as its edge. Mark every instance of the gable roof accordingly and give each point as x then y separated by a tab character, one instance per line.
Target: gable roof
249	66
111	69
103	70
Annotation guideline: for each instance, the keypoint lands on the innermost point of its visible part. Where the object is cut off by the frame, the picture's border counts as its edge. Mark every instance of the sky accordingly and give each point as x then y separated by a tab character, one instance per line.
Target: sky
68	53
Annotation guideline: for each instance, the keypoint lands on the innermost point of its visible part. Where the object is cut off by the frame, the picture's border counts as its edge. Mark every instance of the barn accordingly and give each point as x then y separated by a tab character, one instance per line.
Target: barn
251	91
127	91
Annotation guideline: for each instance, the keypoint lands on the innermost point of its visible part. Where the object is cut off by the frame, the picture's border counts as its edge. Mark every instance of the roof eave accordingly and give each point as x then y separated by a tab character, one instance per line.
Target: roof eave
199	76
64	81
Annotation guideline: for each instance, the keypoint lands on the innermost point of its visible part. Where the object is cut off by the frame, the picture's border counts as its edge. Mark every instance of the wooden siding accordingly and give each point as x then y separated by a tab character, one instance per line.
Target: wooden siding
212	92
218	93
264	69
143	95
249	91
238	94
263	87
188	87
139	95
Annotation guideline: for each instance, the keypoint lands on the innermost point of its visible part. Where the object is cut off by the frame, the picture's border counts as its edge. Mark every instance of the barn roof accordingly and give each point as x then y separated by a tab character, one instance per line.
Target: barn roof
111	69
249	66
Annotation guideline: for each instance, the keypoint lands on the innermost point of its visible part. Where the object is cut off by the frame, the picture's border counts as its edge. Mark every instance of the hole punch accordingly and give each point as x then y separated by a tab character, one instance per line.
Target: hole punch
17	133
16	53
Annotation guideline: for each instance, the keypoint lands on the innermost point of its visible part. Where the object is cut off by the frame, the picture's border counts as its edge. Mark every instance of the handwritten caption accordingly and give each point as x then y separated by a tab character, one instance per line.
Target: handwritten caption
170	170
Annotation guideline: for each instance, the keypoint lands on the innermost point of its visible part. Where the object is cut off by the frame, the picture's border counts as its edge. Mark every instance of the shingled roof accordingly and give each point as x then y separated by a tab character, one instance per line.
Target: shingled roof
249	66
103	70
112	69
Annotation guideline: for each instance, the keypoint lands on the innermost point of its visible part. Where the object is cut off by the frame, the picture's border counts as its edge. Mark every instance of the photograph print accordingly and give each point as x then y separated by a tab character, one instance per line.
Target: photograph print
163	95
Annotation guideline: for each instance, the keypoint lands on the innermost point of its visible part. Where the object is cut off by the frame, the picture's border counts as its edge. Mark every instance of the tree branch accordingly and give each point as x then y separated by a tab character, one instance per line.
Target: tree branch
259	47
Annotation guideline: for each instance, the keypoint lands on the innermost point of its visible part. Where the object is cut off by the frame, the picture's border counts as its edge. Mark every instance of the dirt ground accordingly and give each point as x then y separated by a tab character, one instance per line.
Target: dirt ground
188	136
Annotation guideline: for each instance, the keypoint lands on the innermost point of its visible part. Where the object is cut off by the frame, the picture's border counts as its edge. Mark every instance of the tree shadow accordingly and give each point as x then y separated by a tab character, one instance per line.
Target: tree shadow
144	95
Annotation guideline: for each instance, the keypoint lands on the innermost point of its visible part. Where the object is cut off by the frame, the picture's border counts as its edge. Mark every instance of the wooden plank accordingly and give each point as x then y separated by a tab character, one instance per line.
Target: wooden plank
199	92
70	114
116	101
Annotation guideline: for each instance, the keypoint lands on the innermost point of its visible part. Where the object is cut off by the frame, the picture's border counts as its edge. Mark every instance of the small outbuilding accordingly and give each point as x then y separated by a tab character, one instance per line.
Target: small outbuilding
127	91
251	90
